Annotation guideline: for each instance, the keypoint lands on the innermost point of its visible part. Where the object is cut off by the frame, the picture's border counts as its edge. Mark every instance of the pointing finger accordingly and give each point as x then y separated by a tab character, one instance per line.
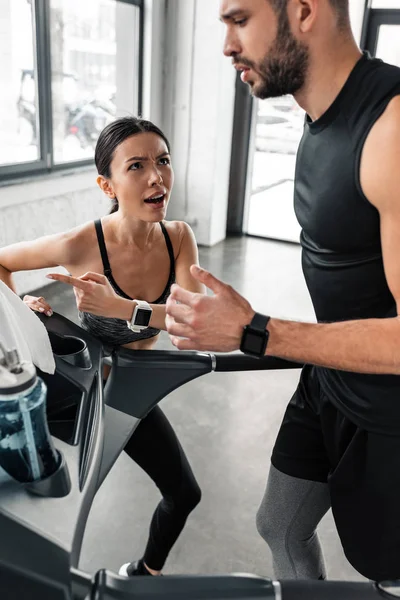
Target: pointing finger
82	285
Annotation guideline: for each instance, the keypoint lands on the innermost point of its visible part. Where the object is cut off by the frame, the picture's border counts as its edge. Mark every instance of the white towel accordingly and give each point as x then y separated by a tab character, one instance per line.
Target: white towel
20	328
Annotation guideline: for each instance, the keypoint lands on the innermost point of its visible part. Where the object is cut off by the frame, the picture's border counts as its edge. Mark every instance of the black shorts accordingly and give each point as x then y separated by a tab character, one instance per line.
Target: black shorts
317	442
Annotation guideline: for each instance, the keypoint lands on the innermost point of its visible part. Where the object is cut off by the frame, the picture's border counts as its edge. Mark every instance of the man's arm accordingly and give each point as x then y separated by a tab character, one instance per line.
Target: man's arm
366	346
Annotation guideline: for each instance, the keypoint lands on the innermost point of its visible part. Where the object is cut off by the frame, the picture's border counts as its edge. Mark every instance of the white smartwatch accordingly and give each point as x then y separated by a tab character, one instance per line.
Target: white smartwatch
141	316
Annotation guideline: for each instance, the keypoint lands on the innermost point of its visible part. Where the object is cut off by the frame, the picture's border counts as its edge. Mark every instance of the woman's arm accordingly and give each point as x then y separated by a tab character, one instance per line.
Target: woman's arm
6	276
25	256
48	251
188	255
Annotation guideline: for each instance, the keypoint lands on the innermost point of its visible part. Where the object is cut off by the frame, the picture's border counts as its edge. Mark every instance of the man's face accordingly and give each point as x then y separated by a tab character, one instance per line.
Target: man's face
262	46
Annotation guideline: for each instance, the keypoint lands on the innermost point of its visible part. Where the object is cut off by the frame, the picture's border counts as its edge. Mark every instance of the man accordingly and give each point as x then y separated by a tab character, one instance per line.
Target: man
339	442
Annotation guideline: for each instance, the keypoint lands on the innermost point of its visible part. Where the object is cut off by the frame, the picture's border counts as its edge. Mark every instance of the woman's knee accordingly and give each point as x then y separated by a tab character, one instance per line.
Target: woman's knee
184	498
191	495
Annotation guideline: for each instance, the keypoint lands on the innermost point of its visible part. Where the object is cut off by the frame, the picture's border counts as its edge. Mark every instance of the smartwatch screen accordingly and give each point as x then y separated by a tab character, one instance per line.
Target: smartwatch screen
142	317
255	342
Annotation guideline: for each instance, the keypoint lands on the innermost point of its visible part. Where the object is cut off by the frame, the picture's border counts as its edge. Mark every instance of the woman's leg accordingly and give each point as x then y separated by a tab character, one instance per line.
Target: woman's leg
287	519
156	449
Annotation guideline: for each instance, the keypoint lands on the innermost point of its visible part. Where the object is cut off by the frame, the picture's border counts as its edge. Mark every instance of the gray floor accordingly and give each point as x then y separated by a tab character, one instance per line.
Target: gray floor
227	424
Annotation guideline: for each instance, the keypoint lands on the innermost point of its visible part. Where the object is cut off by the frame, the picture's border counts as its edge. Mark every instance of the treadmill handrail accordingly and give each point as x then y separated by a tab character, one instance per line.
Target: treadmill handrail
241	362
240	586
224	362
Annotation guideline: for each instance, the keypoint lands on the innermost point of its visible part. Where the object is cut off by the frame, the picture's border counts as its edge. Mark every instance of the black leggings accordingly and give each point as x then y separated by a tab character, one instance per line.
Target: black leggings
156	449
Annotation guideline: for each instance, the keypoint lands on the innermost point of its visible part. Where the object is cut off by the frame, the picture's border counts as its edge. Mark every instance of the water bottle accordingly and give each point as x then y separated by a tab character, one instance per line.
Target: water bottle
27	452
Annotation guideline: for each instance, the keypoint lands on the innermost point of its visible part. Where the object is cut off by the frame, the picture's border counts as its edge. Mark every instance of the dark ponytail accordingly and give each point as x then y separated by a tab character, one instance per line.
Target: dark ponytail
114	205
112	136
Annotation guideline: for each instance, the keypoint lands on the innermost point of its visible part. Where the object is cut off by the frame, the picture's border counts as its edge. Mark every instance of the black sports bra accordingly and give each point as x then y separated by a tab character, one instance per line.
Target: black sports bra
113	331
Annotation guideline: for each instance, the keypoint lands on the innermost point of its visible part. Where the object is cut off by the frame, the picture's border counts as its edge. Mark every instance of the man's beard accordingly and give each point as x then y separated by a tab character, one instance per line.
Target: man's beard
284	70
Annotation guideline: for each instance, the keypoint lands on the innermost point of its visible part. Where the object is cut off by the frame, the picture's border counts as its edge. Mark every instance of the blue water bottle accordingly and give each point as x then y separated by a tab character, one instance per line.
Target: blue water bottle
27	452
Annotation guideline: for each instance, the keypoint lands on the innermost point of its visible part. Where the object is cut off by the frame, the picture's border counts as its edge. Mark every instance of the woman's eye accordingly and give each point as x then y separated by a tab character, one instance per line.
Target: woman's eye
135	166
165	161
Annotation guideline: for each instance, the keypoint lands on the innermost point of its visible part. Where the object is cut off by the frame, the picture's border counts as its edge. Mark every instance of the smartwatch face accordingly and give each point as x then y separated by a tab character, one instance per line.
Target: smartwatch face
254	342
142	317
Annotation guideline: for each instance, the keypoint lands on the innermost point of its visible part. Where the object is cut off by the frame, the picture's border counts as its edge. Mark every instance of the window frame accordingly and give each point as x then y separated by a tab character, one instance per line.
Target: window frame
373	19
44	164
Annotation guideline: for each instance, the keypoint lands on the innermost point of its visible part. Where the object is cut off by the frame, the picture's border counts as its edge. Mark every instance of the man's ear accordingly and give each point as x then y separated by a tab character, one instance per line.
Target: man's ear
105	185
304	14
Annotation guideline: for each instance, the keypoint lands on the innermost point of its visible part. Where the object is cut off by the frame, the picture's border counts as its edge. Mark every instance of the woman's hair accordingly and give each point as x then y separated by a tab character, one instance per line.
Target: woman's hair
112	136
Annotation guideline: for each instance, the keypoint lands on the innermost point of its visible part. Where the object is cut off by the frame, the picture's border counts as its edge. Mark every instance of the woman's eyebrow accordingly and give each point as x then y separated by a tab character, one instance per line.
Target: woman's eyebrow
145	157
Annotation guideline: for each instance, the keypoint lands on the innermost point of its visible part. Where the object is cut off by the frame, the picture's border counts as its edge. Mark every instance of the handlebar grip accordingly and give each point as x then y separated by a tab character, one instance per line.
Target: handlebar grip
330	590
240	362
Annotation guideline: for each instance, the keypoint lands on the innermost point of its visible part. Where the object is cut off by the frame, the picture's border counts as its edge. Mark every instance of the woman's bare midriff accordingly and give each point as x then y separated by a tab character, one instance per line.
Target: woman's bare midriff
146	344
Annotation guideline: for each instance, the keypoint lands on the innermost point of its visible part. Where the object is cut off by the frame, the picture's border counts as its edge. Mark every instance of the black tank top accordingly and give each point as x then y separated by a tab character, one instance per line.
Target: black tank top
340	237
115	332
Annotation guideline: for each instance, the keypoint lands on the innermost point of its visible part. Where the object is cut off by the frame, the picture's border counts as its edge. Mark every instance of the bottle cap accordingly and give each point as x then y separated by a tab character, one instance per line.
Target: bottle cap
15	376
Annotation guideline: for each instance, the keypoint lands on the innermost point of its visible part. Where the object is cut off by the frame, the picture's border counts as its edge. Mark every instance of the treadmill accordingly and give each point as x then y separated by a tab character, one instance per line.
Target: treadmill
42	523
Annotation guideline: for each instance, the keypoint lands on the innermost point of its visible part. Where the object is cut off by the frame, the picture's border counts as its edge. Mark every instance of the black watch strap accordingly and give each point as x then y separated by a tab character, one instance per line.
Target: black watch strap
255	336
259	321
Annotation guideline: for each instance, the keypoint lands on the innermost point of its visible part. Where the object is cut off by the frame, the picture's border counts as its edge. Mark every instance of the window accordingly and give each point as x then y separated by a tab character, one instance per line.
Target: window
381	30
276	136
69	67
388	44
385	3
18	100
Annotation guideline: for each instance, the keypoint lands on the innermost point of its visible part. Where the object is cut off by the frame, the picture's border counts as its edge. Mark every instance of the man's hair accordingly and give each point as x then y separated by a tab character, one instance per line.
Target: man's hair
340	7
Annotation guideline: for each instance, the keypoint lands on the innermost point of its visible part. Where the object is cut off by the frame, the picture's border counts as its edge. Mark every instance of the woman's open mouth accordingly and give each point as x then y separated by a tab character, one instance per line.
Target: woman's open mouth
156	201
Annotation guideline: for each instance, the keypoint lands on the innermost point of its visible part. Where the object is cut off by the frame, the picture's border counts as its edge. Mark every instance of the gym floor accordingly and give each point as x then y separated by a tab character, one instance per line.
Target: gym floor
227	424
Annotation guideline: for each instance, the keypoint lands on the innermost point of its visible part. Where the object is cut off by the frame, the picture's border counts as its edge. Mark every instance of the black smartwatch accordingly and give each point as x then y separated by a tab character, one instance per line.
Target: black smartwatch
255	336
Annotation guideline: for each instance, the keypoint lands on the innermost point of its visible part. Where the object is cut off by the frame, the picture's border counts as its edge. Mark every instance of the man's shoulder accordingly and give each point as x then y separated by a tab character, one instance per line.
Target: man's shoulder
379	82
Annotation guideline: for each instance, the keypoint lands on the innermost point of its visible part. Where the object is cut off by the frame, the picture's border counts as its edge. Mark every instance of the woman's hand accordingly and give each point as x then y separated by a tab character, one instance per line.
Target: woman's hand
94	294
38	304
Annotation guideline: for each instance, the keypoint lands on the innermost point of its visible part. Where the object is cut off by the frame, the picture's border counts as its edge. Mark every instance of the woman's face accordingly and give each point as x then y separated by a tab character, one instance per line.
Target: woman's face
141	177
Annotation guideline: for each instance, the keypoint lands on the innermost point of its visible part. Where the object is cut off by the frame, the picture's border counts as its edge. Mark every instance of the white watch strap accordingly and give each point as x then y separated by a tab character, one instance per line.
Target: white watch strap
143	304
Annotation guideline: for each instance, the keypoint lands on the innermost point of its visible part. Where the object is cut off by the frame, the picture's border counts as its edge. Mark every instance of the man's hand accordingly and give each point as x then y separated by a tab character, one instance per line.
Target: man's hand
94	294
212	323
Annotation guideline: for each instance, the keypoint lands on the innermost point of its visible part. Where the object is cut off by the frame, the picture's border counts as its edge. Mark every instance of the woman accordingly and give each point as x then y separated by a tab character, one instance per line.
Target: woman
141	255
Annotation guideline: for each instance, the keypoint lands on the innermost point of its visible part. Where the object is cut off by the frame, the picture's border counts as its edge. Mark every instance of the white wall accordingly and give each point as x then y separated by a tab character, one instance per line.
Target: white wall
127	62
198	116
154	55
356	17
